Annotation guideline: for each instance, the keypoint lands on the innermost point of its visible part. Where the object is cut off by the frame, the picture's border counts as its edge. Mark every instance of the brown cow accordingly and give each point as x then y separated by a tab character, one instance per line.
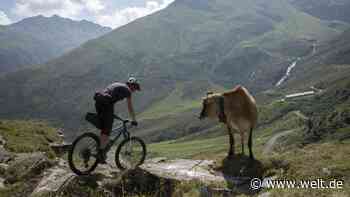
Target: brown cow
237	109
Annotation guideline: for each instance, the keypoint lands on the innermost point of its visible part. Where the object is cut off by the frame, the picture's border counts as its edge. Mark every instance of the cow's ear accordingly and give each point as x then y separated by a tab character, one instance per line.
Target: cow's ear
209	93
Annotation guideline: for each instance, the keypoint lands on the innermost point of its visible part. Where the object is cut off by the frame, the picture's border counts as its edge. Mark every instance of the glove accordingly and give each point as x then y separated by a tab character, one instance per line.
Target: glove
134	123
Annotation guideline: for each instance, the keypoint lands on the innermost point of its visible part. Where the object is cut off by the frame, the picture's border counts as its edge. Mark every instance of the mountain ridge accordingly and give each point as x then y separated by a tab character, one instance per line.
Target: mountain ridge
333	10
35	40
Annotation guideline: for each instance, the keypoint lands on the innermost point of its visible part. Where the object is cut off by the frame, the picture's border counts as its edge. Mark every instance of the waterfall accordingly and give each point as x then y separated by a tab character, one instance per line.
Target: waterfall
285	76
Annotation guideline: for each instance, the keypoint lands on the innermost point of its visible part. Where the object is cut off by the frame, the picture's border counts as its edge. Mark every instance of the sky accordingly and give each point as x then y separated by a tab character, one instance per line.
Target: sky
112	13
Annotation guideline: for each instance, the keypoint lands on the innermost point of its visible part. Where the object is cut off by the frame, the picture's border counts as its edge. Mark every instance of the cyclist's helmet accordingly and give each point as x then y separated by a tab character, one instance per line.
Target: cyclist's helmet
133	81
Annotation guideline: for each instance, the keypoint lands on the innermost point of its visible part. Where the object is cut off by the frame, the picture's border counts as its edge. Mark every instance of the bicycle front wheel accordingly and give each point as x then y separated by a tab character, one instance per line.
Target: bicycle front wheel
83	155
130	153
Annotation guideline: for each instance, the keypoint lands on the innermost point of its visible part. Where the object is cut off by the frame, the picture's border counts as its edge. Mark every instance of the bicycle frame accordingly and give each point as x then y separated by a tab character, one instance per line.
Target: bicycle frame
119	130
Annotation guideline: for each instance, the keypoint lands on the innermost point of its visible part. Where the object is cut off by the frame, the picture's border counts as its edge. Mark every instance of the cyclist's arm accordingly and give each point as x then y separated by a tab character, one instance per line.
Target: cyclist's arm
131	109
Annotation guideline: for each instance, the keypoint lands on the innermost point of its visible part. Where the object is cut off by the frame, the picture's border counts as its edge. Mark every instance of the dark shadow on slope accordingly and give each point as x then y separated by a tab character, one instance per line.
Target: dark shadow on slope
238	171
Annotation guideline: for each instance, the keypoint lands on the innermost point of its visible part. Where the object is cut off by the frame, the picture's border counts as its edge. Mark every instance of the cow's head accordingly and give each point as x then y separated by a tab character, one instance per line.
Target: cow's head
210	105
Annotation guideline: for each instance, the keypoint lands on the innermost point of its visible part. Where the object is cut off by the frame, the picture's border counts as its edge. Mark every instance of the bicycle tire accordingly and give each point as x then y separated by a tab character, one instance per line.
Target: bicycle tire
117	153
71	152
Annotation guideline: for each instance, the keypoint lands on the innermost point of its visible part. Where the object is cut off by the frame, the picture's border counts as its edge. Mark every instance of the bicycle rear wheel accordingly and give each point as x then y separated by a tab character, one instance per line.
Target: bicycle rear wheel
83	155
130	153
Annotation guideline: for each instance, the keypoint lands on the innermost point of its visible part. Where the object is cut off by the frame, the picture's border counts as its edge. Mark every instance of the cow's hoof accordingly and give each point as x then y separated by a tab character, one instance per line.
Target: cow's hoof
230	155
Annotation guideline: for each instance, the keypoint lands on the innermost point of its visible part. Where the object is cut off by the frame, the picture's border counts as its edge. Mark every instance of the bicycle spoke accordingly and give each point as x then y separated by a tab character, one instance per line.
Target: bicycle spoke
131	154
85	154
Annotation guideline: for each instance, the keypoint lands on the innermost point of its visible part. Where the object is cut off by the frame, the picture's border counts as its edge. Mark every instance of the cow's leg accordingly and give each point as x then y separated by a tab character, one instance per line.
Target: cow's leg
250	144
232	141
242	141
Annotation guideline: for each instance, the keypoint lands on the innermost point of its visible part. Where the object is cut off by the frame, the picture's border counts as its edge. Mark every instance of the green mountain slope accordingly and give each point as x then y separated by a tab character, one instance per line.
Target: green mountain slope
38	39
329	64
207	44
333	10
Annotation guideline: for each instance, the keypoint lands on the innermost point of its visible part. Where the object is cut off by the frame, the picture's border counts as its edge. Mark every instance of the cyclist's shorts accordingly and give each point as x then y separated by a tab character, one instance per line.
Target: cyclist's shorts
105	112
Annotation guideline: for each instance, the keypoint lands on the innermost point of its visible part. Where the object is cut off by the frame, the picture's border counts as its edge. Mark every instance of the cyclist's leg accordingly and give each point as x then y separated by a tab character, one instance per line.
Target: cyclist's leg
103	140
104	112
107	122
99	110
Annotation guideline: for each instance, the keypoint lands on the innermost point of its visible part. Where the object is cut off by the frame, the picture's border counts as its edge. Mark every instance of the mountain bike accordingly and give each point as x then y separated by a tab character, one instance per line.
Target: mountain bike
83	157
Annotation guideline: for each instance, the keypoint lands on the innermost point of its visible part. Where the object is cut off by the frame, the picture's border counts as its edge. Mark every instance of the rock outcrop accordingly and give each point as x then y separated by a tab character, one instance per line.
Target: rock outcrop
26	166
35	175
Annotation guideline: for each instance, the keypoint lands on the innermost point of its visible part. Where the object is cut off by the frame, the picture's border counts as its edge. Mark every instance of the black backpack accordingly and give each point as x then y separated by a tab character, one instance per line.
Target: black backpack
94	119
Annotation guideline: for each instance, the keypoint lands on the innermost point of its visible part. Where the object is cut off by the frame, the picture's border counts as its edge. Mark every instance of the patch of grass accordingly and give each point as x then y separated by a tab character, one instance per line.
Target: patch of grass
309	161
17	189
287	122
189	149
273	111
324	160
184	97
321	160
28	136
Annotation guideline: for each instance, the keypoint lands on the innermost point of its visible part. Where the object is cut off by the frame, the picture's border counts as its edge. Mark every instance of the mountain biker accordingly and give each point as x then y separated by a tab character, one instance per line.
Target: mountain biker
104	104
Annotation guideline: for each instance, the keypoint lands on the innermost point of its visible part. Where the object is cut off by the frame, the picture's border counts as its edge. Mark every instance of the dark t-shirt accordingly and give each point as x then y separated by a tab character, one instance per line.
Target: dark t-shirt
117	91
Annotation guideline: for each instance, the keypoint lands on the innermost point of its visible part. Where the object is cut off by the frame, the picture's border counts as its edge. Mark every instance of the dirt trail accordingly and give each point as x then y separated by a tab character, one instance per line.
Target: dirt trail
301	115
272	141
269	145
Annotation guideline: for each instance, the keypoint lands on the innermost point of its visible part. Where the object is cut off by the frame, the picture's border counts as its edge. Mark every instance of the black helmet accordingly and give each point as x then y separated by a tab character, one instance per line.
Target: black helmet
133	81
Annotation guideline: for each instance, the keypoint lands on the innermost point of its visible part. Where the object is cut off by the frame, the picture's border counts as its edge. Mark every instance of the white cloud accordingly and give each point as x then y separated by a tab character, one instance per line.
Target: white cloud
95	10
94	6
4	20
123	16
64	8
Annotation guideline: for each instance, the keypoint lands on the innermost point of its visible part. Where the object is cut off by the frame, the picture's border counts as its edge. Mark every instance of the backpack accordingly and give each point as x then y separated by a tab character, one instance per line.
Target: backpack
102	98
94	119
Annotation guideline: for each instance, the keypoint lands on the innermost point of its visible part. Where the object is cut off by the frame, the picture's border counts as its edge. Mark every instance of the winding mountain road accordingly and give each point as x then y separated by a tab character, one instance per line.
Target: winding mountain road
301	115
269	145
272	141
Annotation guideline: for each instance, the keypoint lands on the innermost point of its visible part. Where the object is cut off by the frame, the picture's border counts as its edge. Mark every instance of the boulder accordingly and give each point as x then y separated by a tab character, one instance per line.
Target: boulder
2	185
2	141
3	168
60	149
232	177
26	166
53	180
5	156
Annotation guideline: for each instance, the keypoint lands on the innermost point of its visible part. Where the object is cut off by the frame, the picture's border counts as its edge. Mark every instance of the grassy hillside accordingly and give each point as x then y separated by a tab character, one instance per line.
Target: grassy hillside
327	66
176	115
333	10
28	136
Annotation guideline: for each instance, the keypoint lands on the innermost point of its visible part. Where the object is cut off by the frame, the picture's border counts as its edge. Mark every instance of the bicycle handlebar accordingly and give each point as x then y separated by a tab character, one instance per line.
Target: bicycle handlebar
118	118
121	119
